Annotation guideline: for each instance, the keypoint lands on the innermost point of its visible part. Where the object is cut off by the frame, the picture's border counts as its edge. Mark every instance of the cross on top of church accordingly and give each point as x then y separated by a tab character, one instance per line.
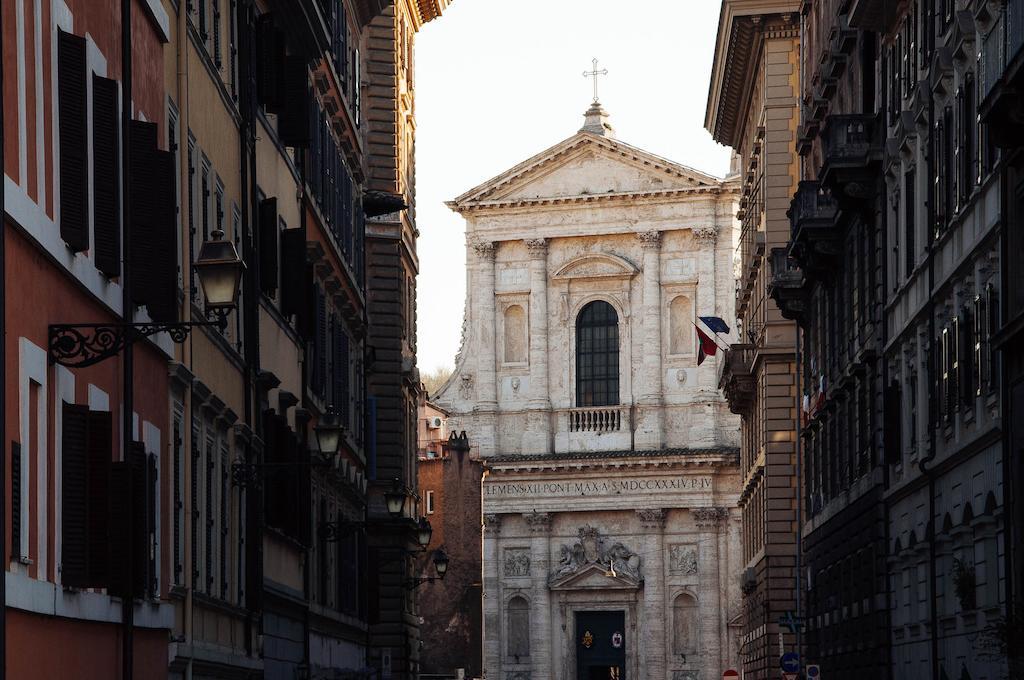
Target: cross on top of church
594	74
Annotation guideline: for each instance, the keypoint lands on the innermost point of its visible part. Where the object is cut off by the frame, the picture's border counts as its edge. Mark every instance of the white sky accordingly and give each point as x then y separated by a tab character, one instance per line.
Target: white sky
500	80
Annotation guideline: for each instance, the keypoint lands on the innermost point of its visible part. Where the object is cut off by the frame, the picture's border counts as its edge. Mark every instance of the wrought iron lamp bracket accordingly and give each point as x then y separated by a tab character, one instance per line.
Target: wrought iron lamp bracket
85	344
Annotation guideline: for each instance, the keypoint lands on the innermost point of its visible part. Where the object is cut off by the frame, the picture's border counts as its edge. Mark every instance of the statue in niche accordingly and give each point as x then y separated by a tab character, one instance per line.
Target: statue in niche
517	562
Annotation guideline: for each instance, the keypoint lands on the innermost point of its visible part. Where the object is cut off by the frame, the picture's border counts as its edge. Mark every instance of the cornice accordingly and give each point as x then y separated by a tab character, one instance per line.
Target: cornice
707	459
730	76
631	196
552	155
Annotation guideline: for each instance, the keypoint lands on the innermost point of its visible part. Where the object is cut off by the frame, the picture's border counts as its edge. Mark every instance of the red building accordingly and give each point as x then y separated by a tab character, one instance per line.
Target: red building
68	480
449	490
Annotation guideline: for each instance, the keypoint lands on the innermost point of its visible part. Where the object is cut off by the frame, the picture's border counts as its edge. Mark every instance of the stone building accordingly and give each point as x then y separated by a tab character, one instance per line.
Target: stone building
449	496
753	108
611	544
946	481
386	83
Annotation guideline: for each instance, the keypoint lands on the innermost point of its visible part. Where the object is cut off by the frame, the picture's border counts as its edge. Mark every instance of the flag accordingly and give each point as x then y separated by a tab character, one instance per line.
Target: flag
705	346
715	324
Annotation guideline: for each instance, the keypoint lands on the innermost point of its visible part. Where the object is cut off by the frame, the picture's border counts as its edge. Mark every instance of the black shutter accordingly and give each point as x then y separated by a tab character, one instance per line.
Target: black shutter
106	160
152	183
74	496
74	151
268	236
194	497
293	123
269	60
139	528
293	271
150	556
320	345
100	445
15	500
178	504
272	487
119	509
892	435
304	497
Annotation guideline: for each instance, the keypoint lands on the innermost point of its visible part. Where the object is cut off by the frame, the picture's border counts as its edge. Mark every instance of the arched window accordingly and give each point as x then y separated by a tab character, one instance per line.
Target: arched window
515	335
684	625
518	628
597	355
680	314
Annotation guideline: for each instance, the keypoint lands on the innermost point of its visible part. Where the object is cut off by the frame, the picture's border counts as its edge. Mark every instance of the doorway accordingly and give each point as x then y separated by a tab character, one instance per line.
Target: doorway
601	645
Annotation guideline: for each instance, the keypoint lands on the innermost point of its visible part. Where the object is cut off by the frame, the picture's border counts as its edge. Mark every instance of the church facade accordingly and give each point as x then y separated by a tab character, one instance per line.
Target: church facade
611	529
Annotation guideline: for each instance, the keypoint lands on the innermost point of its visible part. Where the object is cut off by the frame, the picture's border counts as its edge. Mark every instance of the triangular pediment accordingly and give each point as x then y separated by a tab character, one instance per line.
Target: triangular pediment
595	577
584	167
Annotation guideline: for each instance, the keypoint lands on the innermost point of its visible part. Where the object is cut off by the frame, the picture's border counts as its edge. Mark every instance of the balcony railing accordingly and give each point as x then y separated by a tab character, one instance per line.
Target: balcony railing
596	419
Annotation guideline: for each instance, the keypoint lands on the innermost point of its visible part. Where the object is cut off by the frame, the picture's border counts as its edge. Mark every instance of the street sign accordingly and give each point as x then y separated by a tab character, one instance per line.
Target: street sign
730	675
790	662
789	676
813	671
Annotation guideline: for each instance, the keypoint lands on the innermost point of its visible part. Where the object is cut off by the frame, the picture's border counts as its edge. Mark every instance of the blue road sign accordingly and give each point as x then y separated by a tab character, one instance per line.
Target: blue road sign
790	662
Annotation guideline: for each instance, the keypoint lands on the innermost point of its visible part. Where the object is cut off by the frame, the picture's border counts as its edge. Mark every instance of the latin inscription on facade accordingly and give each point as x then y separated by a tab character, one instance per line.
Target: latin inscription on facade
596	487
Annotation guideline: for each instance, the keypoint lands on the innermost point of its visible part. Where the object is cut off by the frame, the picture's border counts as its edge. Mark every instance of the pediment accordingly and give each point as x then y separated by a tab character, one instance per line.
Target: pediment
595	577
585	167
597	266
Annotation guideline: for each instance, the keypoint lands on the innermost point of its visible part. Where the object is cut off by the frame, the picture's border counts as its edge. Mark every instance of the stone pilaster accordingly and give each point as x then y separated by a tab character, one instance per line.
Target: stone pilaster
649	431
487	389
492	597
537	437
541	653
709	523
705	238
652	646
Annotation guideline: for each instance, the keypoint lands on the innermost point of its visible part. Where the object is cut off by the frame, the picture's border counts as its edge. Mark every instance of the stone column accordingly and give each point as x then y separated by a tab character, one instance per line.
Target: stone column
537	437
705	303
709	522
654	618
649	428
542	661
487	389
492	597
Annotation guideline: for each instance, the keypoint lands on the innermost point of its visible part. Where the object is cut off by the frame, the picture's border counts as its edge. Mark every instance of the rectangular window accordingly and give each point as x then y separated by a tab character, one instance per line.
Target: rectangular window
197	460
209	518
910	225
216	33
233	48
172	146
193	231
204	196
201	9
236	230
225	517
178	494
429	505
73	141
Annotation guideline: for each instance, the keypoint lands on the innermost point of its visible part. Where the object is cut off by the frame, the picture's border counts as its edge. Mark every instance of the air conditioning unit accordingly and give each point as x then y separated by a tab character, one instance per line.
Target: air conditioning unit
435	422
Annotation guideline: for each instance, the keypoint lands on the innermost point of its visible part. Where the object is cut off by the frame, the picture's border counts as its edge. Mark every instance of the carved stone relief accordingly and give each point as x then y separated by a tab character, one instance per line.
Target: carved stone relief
683	559
517	562
590	549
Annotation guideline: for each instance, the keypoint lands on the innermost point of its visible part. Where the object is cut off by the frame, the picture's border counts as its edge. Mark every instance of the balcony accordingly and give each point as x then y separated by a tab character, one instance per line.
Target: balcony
593	428
852	155
786	285
815	240
1002	75
736	377
873	15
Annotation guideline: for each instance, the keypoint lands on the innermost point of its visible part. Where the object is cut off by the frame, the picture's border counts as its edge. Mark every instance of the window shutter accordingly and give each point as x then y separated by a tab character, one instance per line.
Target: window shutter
74	151
893	429
272	487
304	510
106	160
194	497
269	58
216	33
15	500
119	508
100	445
153	275
74	496
320	345
209	516
150	546
293	266
293	123
268	245
179	504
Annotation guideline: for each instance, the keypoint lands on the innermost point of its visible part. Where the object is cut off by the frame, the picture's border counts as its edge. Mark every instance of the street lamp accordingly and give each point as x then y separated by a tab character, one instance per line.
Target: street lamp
423	532
219	270
441	562
394	499
440	566
328	432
